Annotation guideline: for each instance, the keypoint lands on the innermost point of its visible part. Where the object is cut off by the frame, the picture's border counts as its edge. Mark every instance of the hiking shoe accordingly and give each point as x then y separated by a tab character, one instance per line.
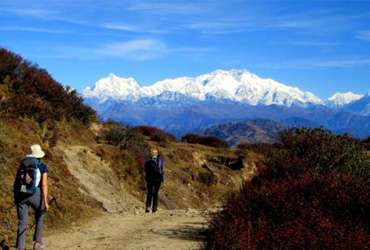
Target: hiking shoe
147	210
38	246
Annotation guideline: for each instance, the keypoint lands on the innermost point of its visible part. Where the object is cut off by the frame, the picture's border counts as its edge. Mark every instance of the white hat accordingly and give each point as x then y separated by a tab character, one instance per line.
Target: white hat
37	151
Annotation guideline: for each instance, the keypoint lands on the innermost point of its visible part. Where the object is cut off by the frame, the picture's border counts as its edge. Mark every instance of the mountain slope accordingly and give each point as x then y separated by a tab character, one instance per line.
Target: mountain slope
359	107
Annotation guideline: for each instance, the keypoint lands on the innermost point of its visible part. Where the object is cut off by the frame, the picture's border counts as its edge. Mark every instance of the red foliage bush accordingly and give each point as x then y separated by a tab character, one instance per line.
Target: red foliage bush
296	201
34	93
211	141
314	211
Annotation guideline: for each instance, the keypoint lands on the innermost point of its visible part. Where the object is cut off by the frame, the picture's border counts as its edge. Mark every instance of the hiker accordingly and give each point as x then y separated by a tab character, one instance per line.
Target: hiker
31	190
154	172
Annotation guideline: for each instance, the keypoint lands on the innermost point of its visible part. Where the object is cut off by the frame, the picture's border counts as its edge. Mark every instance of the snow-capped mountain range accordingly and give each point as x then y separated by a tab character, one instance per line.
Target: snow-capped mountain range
235	85
191	104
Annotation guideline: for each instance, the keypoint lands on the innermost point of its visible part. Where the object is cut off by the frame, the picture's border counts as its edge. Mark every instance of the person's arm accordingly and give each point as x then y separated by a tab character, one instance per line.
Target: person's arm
146	171
45	190
162	169
16	187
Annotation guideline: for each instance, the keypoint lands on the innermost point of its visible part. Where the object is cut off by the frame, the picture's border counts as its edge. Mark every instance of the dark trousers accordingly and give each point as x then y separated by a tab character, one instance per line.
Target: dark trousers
152	195
34	201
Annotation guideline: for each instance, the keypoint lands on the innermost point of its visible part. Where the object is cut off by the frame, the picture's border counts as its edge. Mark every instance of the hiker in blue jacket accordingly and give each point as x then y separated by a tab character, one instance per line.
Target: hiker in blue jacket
154	176
31	190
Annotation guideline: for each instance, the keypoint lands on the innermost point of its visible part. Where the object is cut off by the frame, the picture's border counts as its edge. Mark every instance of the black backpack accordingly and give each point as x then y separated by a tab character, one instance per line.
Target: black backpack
28	176
157	167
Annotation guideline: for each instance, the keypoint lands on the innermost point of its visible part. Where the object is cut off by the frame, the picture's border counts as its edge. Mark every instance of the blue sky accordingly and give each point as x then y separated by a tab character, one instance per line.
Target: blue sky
318	46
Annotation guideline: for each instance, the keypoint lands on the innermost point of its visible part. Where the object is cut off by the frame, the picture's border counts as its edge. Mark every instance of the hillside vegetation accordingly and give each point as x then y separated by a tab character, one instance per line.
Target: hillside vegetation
312	191
28	91
97	167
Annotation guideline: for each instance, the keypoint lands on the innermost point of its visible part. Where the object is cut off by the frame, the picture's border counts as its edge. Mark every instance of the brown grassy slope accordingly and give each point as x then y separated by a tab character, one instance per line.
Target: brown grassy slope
196	176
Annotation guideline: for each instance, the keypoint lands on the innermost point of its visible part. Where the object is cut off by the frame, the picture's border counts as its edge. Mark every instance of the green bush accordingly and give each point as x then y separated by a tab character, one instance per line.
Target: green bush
127	139
114	135
135	143
318	149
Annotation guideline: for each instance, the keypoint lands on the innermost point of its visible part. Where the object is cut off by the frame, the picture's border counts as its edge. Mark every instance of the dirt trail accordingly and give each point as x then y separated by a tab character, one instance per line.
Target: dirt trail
167	229
124	225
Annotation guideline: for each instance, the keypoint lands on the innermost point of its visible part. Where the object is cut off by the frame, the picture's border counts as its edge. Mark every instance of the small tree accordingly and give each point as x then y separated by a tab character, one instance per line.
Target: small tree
155	134
211	141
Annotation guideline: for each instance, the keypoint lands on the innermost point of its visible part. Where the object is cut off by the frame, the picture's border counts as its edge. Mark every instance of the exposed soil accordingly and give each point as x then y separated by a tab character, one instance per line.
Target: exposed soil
167	229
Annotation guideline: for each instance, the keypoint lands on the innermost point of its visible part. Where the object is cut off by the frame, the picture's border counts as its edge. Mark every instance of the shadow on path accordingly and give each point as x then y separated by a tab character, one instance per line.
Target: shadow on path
187	232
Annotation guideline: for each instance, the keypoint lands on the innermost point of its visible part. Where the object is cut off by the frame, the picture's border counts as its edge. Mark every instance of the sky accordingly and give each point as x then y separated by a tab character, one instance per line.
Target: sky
319	46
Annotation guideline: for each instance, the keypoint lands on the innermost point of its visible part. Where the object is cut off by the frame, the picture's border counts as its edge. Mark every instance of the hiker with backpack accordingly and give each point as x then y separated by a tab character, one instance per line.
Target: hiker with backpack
154	176
31	190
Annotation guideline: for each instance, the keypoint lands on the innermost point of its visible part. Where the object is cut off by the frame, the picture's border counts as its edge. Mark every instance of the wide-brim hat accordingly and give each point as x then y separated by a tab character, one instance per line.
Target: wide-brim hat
36	151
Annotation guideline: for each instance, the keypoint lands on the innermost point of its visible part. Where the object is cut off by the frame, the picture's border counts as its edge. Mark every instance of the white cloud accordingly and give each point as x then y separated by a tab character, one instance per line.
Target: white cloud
221	26
306	43
132	50
364	35
38	13
35	29
133	28
122	27
319	63
169	7
140	49
344	63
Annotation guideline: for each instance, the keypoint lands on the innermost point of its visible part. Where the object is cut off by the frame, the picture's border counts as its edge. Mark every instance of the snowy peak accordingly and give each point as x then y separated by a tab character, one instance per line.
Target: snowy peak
113	87
341	99
235	85
243	86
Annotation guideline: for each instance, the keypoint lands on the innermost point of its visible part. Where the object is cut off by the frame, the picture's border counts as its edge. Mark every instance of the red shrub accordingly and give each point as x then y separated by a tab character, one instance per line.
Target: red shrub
309	193
211	141
315	211
34	93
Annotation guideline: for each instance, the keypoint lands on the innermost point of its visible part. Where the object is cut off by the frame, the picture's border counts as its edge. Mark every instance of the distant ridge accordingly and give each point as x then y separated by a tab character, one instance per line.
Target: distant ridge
250	131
